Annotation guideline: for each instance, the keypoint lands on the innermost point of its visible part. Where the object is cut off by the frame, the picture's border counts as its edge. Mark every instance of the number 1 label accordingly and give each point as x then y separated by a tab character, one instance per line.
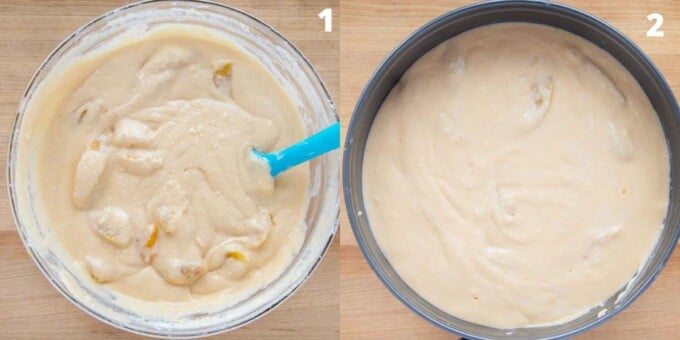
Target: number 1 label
327	16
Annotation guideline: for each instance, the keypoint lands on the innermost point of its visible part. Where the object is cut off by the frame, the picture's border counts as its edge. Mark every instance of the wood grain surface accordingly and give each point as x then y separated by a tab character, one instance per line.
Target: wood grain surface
343	297
30	308
370	30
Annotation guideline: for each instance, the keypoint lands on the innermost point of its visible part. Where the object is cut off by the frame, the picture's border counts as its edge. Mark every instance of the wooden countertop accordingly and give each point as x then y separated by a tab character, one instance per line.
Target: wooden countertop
343	288
29	306
372	28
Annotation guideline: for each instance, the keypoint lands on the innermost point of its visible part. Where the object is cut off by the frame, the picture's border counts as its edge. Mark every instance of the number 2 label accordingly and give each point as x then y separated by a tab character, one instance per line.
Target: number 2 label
658	21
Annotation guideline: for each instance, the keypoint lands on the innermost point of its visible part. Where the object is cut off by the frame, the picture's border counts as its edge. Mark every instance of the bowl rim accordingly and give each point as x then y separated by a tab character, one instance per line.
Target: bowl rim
12	146
373	81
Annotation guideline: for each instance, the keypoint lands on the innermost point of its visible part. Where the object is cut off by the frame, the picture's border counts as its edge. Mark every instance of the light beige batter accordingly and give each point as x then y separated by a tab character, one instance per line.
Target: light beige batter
145	173
517	175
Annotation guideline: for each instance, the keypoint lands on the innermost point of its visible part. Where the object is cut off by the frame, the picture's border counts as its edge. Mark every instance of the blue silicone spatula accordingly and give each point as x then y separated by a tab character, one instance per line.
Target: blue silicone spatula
309	148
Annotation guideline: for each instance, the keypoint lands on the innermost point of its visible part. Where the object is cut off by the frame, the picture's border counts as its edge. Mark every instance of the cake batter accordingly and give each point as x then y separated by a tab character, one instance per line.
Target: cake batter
517	175
145	173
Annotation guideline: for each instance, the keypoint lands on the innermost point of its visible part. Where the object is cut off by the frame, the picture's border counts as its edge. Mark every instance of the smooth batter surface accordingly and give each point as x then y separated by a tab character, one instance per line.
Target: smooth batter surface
145	173
517	175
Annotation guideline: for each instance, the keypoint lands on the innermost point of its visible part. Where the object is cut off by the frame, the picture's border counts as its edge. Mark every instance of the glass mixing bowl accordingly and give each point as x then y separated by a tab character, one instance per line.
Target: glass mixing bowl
286	63
447	26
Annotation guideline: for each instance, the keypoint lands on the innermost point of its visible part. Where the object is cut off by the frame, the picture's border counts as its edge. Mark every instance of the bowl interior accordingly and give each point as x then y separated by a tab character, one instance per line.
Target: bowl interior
447	26
295	74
